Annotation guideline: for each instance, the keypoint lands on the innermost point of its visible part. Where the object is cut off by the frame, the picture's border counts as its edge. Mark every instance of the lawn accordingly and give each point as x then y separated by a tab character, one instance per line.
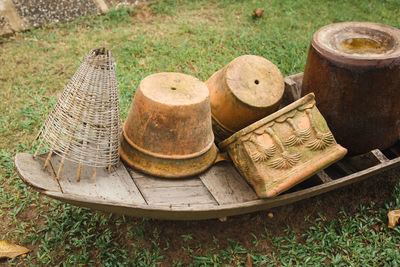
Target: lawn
342	228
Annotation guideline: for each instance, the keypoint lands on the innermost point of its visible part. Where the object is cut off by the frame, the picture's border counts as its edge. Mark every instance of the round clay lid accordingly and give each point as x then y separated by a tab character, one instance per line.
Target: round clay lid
172	88
255	81
358	41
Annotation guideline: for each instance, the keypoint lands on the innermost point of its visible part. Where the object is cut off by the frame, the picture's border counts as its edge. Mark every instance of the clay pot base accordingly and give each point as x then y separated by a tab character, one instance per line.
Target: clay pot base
167	168
244	91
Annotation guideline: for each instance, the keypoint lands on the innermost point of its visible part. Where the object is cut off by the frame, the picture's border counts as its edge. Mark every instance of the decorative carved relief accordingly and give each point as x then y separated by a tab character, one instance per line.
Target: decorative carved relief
278	152
286	161
322	140
299	137
258	151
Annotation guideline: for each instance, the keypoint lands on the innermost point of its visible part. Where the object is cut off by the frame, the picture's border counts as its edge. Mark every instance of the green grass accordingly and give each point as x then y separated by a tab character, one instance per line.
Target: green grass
197	38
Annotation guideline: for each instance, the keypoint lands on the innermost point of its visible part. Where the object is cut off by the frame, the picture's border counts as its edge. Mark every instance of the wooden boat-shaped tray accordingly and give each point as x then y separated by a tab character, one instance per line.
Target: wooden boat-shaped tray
217	193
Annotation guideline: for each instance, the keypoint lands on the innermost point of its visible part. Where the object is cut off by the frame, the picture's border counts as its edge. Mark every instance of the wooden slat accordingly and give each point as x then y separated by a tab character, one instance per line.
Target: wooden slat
116	186
172	192
226	185
31	171
298	80
147	181
185	212
379	155
324	177
181	211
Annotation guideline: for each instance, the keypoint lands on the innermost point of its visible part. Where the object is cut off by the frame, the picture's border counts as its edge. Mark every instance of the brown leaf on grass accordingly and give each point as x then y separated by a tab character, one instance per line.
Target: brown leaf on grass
249	263
393	218
11	250
258	12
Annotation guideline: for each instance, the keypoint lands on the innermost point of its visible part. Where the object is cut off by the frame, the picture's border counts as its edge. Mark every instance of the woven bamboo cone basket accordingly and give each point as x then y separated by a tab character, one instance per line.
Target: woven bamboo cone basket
84	125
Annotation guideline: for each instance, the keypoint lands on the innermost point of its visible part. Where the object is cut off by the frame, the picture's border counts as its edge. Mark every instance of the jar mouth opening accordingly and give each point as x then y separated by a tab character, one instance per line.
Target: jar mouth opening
363	41
359	40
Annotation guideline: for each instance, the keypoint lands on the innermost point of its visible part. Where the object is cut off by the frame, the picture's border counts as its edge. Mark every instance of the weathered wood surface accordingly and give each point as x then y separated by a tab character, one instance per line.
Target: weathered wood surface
324	177
219	192
115	186
32	172
33	175
226	184
379	155
172	192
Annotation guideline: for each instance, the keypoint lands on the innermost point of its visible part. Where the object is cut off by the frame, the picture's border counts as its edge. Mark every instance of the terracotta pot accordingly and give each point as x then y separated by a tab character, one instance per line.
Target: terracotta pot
283	149
168	130
354	70
244	91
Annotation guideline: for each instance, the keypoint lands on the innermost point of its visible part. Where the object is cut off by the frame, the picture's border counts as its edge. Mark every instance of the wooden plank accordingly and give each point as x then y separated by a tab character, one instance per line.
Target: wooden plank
172	192
198	212
226	185
324	177
148	181
114	186
31	171
184	211
298	80
379	155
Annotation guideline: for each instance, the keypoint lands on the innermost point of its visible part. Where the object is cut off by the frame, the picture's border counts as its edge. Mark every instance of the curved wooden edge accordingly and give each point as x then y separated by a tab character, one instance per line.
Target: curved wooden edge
201	212
31	172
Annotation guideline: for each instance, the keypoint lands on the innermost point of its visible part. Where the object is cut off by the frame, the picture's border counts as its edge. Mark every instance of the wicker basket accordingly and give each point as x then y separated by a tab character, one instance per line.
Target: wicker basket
84	125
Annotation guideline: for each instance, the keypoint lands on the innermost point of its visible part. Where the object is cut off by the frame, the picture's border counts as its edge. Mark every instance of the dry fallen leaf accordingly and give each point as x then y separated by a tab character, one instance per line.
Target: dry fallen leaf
249	263
258	12
11	250
393	217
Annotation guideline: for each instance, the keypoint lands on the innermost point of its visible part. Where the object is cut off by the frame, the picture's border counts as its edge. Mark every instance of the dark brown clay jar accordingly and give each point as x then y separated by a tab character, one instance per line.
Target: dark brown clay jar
244	91
168	130
353	68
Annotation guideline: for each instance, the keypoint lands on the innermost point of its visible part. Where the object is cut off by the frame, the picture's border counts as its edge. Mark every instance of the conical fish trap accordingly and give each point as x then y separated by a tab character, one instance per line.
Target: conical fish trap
84	125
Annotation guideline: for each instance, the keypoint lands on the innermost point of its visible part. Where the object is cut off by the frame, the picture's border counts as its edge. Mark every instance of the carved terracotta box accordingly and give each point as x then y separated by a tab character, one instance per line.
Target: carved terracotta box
283	149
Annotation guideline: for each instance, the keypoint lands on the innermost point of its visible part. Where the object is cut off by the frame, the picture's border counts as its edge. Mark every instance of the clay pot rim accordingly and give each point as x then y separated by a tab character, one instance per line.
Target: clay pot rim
175	171
221	124
229	65
165	156
254	126
378	60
